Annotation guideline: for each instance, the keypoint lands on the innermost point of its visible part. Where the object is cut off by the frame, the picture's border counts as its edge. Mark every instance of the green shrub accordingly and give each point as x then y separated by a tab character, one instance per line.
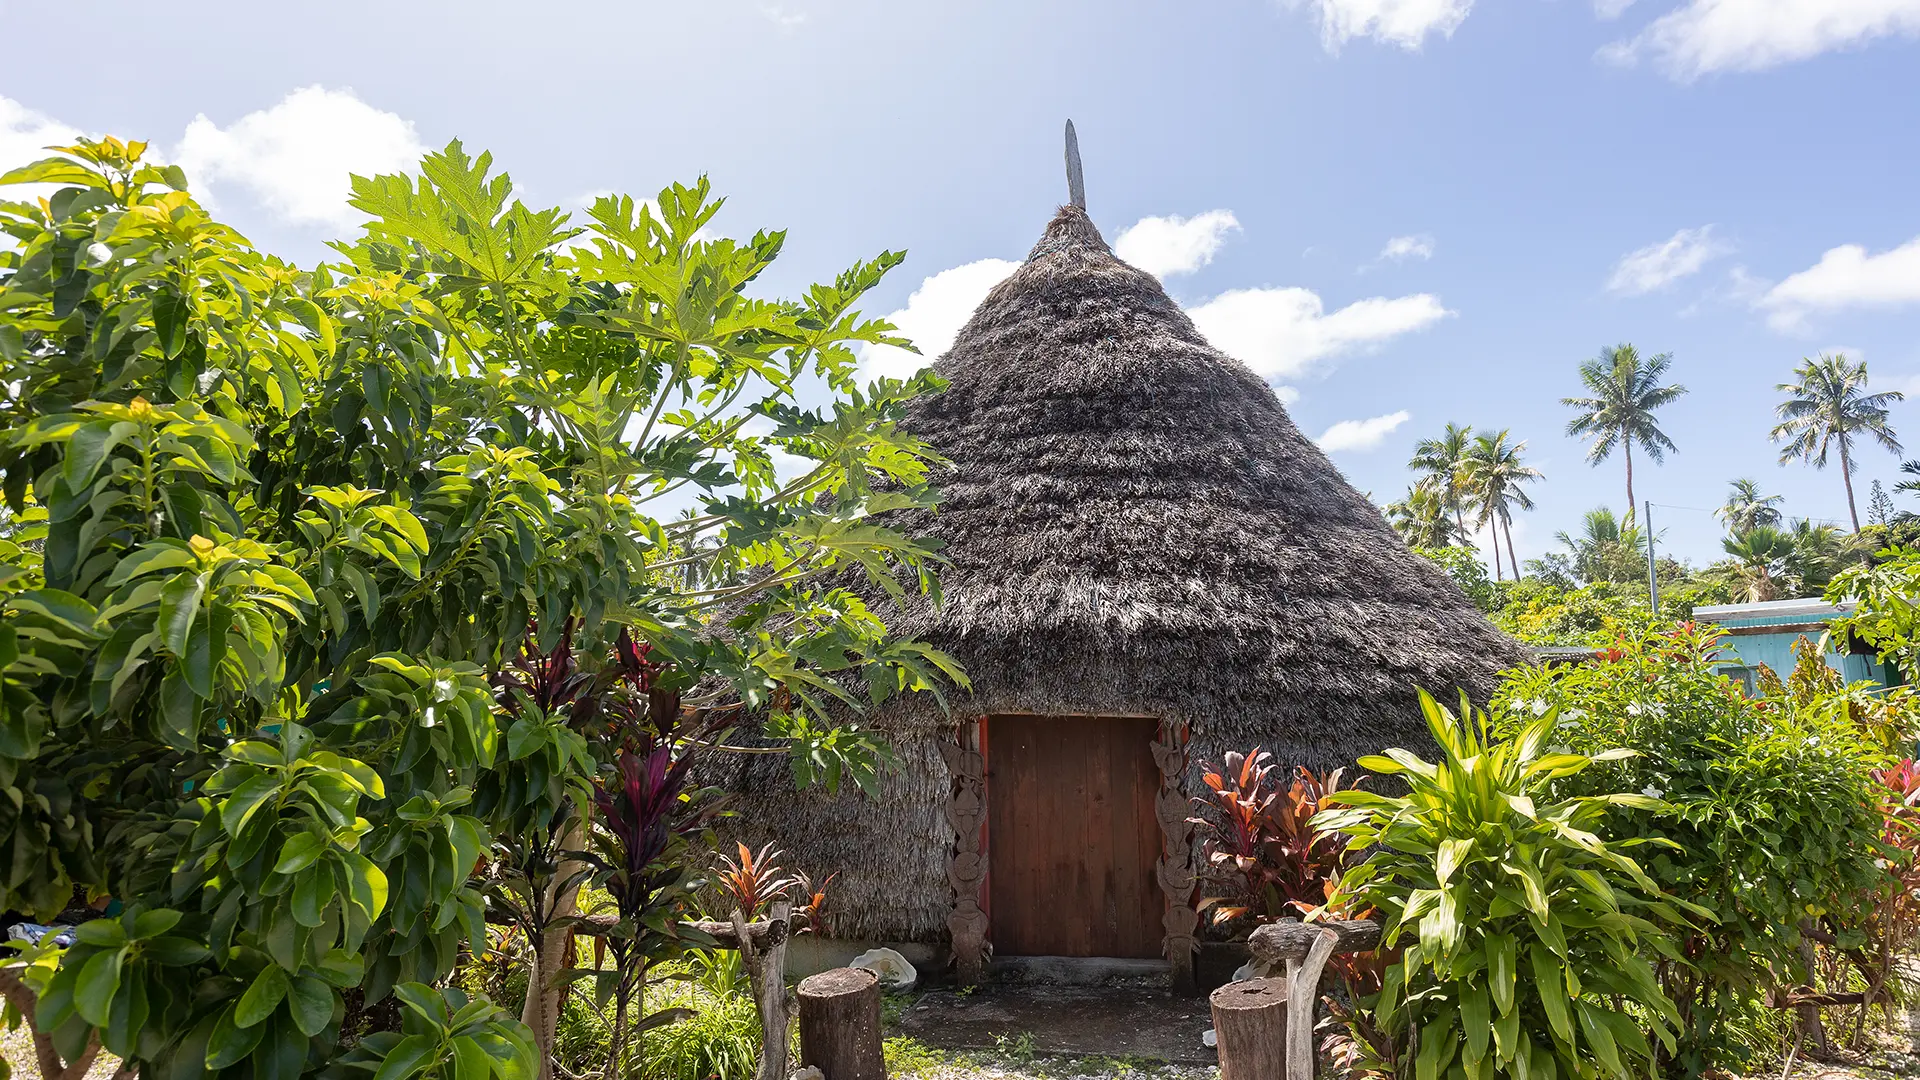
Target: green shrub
1774	818
1525	933
720	1042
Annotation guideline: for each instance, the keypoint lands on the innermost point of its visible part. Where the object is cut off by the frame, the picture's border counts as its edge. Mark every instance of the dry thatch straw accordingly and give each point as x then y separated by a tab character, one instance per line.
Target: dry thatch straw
1136	527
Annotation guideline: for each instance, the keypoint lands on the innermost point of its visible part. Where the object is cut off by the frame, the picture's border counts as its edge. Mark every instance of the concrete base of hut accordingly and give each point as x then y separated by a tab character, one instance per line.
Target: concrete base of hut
1104	1021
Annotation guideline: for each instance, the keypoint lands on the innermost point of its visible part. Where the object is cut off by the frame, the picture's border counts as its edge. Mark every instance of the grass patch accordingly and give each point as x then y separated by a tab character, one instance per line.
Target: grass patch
720	1042
908	1056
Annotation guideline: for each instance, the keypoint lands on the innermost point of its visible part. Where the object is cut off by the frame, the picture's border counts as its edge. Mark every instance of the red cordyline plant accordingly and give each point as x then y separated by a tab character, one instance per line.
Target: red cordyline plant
754	879
1894	923
1263	856
648	817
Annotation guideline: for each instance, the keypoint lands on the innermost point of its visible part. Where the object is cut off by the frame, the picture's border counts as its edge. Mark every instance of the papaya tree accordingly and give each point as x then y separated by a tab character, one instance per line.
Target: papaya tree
276	541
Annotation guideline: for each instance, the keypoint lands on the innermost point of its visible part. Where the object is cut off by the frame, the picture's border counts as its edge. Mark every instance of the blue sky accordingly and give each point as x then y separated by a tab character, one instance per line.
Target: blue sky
1403	212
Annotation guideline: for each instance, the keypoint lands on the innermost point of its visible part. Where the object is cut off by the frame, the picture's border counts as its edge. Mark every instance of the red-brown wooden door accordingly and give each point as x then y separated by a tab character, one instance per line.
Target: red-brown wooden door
1071	836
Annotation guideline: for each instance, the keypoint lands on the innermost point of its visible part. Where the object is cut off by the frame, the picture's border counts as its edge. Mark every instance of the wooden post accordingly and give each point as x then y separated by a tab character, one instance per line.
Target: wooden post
1175	869
967	867
1250	1029
767	973
1304	949
840	1024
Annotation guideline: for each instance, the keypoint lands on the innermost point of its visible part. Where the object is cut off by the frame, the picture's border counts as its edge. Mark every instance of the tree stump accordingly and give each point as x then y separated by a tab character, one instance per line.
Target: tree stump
1250	1029
840	1024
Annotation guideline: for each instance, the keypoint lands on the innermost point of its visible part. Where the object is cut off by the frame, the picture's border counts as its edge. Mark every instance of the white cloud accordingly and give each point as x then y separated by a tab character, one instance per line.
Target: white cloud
1361	434
934	314
1284	333
1405	23
1661	264
24	138
1611	9
1845	277
1708	36
1164	246
1402	248
1907	384
781	16
296	156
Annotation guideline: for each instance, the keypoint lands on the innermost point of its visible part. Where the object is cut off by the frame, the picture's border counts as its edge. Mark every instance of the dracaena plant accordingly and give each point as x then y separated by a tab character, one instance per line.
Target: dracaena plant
1264	858
1526	933
648	819
752	879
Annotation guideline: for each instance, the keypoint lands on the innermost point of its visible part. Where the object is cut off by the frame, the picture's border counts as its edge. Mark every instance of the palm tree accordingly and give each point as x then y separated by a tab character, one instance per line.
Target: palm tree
1746	508
1816	554
1626	391
1421	518
1909	487
1439	462
1758	555
1606	549
1828	405
1493	474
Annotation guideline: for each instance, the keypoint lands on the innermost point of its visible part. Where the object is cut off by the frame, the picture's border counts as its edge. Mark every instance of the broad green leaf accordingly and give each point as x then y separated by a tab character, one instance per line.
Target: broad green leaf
408	1057
301	850
263	996
1547	982
99	981
310	1001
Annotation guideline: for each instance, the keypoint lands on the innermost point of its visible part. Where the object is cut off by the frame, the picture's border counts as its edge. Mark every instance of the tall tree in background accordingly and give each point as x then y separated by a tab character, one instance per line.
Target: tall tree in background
1746	509
1626	391
1495	477
1422	519
1439	463
1828	405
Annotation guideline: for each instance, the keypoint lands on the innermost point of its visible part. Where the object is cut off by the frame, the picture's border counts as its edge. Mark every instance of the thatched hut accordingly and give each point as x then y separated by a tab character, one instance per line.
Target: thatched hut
1151	566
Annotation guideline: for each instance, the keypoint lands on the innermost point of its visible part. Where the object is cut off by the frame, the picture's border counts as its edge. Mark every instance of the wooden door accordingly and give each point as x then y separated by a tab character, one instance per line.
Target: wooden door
1071	836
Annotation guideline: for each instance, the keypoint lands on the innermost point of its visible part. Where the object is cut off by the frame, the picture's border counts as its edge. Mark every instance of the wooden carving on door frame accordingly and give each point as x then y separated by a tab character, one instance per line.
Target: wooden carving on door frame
1175	869
967	866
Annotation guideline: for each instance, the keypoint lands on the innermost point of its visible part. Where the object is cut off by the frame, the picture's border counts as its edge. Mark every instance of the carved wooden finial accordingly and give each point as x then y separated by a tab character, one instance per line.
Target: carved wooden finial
1076	183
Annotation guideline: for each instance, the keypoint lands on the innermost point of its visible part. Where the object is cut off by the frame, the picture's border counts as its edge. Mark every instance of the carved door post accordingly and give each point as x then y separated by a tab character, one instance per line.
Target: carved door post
966	810
1175	869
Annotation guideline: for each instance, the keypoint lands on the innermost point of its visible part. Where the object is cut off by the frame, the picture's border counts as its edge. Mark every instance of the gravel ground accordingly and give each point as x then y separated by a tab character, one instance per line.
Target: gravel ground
17	1047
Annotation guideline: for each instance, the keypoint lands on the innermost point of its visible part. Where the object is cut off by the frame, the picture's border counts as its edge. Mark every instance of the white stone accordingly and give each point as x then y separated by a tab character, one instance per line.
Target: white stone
811	1072
895	973
1208	1038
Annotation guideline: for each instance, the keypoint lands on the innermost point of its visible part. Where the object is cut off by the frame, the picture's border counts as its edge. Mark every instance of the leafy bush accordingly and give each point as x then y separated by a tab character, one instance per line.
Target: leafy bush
276	540
1888	616
720	1041
1529	931
444	1036
1770	816
1463	565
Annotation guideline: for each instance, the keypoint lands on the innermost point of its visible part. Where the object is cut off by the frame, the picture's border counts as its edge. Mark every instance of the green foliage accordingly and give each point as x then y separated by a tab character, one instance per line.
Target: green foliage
1769	816
444	1036
1887	618
721	1041
1463	565
275	537
1524	932
1606	549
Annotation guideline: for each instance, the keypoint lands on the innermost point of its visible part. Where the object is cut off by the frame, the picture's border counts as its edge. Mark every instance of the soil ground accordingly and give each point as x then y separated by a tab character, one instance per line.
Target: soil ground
1137	1033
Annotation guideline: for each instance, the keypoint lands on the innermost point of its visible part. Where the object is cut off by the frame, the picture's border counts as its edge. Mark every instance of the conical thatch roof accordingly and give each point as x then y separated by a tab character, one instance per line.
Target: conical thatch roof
1136	527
